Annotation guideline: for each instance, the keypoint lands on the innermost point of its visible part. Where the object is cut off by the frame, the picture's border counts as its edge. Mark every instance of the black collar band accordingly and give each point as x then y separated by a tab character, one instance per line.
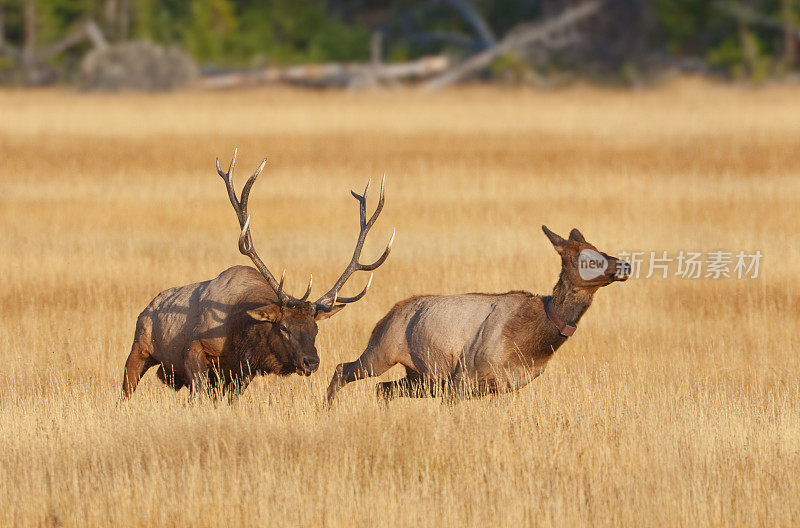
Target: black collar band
564	329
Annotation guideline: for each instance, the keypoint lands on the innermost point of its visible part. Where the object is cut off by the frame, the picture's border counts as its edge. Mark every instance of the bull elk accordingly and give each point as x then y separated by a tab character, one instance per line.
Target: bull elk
474	344
218	334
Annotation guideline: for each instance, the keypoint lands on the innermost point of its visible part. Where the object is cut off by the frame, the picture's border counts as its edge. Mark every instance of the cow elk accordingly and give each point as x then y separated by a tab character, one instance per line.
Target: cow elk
218	334
473	344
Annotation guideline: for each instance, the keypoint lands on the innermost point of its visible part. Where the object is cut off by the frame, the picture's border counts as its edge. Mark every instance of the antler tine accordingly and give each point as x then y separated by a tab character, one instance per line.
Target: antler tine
249	185
355	265
226	175
382	258
308	290
280	284
245	238
362	204
228	178
379	208
354	298
245	242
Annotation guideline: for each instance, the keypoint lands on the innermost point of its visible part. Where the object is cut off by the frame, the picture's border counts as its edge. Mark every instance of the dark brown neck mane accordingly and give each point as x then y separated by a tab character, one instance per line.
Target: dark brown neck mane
571	303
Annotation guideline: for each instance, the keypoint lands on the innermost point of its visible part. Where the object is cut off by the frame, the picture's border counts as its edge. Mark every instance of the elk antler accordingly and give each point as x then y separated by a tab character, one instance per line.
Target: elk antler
327	301
245	239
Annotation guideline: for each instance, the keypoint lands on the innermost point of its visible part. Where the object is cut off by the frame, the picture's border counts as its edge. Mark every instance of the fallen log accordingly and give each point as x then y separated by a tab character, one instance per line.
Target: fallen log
329	73
516	39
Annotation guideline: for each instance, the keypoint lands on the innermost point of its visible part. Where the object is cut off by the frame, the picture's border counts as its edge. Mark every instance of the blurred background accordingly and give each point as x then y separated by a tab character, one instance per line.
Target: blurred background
163	44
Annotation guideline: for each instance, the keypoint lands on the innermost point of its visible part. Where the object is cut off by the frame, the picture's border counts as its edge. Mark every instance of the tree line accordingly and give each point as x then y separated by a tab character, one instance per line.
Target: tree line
746	40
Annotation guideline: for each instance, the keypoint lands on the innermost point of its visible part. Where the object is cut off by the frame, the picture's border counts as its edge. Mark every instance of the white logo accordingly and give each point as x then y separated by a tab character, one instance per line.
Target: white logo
591	264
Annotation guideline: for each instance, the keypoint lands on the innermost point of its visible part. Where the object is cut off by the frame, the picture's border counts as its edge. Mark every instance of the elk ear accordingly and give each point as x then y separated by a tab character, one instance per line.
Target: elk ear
556	240
321	314
576	236
270	313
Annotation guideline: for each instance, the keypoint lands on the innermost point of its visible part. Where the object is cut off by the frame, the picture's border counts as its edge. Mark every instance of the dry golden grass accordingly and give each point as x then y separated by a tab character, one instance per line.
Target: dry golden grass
676	403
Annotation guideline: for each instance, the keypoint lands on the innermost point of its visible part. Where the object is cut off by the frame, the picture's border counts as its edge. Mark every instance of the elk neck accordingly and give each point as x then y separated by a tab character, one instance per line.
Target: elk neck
570	302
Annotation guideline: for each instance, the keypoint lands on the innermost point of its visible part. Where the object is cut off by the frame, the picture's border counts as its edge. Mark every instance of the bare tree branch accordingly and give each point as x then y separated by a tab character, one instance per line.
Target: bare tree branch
747	14
29	46
86	31
519	37
458	39
5	47
473	17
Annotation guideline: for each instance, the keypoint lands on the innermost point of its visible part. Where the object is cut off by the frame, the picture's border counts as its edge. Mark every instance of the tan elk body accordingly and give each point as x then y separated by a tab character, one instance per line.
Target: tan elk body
474	343
220	333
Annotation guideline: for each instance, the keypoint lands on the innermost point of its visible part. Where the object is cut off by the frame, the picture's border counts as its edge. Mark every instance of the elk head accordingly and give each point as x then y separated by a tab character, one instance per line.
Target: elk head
289	324
583	265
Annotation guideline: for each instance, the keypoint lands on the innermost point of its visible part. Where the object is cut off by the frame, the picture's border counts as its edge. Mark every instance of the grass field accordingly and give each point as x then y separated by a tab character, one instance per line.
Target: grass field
675	404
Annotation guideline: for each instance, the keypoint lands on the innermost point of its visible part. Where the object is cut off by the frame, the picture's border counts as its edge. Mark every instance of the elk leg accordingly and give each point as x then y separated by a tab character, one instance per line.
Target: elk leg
459	387
139	360
170	378
373	362
235	387
389	390
215	384
197	367
413	385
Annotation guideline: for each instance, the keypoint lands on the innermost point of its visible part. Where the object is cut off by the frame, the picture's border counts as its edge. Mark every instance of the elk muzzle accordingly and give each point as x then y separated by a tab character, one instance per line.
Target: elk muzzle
308	365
